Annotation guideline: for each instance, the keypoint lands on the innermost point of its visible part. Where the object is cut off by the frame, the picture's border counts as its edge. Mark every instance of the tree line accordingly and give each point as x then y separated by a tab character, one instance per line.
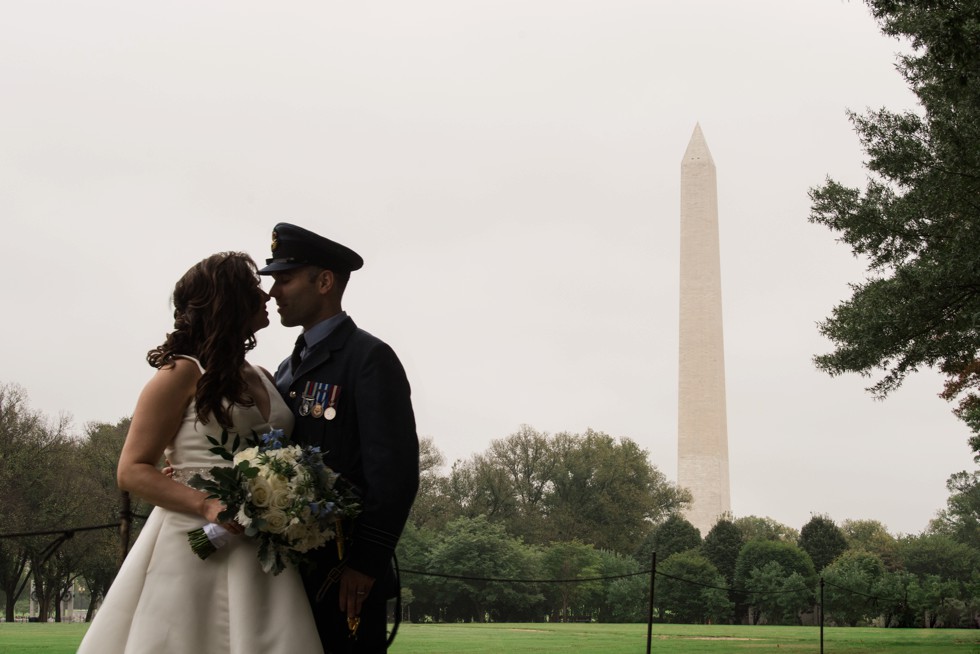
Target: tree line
536	507
538	527
54	479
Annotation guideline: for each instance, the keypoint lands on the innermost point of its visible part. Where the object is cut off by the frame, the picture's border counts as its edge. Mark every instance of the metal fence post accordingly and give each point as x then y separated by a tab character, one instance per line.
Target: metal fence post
821	615
653	583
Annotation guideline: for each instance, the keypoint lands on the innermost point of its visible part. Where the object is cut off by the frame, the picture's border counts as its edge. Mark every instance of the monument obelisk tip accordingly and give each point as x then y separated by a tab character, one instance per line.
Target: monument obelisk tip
697	148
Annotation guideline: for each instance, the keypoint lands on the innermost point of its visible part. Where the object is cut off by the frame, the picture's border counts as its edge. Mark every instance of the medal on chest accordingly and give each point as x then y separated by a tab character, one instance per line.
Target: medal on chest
320	400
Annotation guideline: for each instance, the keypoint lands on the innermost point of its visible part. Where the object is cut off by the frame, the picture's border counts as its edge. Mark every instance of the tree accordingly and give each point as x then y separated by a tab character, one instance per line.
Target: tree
478	487
525	462
929	597
776	596
21	430
756	554
588	487
477	552
675	535
34	483
850	583
624	598
606	492
961	517
433	506
97	456
691	590
823	540
756	528
892	592
939	555
572	560
872	536
917	222
721	546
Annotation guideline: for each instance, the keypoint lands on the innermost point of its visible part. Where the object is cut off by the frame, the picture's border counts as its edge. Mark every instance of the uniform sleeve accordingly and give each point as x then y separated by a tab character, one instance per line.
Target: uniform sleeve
389	457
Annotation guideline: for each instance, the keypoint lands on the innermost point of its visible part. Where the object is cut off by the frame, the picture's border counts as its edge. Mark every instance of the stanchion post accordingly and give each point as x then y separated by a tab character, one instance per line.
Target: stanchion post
653	584
821	615
125	526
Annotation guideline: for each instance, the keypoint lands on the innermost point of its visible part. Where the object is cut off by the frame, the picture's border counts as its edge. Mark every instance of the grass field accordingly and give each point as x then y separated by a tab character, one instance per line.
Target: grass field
587	638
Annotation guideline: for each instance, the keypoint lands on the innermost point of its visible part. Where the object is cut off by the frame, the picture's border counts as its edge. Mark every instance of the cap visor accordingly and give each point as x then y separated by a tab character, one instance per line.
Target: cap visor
279	267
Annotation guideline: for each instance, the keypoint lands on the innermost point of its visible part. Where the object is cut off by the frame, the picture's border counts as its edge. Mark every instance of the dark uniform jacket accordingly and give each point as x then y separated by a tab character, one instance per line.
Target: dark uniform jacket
371	439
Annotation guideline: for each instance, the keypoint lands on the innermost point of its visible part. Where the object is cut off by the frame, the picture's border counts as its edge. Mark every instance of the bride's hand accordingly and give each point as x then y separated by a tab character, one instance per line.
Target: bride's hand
212	508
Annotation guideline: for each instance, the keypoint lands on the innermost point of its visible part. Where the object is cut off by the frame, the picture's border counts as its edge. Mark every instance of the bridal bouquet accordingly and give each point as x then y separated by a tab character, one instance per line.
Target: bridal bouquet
283	495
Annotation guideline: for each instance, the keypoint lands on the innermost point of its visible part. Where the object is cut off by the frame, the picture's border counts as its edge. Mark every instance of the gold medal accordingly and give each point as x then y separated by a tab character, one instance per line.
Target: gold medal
317	410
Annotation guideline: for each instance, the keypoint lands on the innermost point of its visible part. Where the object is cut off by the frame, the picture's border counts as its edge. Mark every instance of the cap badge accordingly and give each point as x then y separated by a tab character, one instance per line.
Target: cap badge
275	240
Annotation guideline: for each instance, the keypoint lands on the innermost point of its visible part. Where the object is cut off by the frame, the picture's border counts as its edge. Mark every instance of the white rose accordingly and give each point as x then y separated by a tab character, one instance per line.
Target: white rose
275	521
260	490
280	498
248	454
278	483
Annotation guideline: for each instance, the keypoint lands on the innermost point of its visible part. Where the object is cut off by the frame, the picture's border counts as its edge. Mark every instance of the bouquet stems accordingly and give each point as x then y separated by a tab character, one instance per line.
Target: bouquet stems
206	540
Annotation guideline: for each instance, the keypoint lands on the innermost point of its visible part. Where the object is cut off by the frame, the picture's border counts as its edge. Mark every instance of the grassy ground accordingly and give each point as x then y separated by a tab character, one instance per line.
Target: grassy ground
587	638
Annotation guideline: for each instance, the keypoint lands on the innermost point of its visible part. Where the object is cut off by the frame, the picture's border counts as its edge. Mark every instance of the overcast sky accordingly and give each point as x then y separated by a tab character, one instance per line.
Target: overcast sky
509	170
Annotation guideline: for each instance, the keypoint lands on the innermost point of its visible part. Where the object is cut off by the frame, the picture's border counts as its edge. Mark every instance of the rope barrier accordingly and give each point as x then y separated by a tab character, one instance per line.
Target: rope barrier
525	581
52	532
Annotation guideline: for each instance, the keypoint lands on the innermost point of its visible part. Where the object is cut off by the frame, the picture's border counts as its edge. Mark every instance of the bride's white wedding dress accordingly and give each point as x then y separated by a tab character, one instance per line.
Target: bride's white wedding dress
165	599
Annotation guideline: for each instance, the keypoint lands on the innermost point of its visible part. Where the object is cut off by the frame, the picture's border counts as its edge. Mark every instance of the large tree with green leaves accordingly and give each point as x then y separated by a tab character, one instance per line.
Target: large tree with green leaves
756	528
961	517
823	540
757	554
872	536
674	535
39	494
690	589
477	554
917	222
722	545
850	585
606	492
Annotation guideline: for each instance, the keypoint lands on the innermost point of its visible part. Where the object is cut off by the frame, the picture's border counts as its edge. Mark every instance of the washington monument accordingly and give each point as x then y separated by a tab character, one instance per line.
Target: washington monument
702	425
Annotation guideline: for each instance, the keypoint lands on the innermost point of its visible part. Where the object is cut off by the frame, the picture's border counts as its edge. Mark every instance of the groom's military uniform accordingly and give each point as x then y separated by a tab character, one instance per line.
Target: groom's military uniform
351	398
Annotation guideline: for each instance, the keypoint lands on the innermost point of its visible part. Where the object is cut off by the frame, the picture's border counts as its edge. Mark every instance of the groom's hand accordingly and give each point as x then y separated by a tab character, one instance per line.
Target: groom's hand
354	589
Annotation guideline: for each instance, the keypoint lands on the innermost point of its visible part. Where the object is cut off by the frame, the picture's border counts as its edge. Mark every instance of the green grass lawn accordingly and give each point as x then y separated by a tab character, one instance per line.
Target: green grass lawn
586	638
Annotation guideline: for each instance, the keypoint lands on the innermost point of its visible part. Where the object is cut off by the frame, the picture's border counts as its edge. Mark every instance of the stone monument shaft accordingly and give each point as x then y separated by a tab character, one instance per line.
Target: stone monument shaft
702	427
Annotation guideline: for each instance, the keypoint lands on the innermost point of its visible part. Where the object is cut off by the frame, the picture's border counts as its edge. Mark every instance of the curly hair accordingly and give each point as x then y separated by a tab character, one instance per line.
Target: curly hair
214	306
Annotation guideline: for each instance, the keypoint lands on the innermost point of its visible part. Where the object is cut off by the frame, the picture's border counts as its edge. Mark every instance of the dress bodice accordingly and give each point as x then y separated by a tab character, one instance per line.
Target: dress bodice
189	452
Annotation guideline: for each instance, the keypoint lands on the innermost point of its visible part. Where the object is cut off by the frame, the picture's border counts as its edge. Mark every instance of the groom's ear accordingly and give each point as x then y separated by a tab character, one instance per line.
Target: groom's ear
325	281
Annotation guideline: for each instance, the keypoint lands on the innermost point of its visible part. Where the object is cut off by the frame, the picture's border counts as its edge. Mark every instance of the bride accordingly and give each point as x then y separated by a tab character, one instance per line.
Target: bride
165	599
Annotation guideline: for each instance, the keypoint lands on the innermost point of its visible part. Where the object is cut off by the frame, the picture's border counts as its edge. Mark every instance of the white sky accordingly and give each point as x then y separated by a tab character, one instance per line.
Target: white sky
510	172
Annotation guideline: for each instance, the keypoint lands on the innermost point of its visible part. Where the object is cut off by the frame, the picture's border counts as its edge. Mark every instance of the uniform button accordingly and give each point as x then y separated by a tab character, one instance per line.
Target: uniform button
292	393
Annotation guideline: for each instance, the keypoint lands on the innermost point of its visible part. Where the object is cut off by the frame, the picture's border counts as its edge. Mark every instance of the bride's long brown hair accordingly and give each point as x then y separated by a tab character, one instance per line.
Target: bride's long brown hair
215	303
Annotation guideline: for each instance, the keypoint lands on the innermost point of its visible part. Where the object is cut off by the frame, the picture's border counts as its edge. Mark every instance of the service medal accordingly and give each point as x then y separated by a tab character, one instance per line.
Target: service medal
317	410
330	413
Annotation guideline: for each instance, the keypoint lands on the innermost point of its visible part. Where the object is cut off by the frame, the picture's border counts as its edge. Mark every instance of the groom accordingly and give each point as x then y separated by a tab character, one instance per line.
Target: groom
350	396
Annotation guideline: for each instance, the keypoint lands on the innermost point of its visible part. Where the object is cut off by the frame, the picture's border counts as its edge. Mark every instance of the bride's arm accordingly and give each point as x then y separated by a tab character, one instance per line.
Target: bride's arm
159	412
